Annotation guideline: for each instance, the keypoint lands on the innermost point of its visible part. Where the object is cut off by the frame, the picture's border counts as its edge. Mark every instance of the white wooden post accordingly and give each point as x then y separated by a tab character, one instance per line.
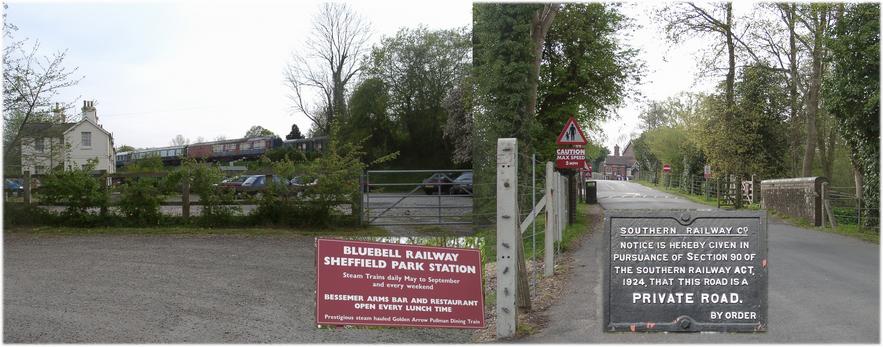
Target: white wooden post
549	251
507	236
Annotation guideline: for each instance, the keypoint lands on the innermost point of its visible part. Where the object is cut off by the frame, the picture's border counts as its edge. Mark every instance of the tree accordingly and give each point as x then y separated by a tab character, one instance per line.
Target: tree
816	19
220	138
258	131
179	140
369	122
31	83
420	67
852	93
125	148
458	128
294	134
684	20
200	139
327	65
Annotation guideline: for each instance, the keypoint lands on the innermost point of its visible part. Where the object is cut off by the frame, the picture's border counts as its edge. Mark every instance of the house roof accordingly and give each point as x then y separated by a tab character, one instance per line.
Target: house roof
45	129
86	120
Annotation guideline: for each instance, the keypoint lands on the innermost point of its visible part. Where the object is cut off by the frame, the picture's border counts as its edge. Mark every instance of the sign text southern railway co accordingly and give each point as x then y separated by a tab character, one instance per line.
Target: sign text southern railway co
686	271
372	283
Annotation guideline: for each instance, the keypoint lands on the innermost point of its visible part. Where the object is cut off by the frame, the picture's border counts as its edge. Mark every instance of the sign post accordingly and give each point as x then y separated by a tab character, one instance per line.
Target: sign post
387	284
686	271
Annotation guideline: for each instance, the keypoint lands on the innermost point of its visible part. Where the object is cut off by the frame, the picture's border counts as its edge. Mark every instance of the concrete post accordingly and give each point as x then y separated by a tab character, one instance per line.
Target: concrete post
507	237
549	250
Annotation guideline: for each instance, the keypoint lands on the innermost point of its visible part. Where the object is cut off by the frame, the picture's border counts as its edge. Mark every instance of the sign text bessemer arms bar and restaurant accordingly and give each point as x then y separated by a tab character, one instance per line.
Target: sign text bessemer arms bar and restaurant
373	283
686	271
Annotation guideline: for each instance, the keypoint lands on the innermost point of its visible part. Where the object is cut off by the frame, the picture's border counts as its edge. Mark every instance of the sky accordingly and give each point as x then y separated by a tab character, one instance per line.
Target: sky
157	69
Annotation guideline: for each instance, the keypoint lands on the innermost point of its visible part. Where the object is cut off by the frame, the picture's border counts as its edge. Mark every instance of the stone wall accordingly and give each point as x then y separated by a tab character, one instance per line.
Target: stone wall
795	197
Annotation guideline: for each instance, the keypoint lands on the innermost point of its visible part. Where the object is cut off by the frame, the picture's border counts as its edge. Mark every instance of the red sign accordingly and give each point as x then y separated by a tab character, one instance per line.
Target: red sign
570	158
666	168
373	283
572	134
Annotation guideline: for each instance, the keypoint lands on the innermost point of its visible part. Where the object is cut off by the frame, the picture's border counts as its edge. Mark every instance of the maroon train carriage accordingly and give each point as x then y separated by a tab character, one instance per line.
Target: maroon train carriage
230	149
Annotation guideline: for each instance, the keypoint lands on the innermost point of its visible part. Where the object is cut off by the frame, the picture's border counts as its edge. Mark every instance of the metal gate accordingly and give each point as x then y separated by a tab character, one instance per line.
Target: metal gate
417	197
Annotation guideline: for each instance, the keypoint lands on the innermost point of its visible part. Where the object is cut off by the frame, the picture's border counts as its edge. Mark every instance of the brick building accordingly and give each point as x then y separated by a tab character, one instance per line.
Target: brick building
621	167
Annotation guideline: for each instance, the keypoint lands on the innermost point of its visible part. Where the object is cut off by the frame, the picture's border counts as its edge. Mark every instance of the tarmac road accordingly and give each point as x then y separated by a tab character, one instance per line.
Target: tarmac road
172	289
823	287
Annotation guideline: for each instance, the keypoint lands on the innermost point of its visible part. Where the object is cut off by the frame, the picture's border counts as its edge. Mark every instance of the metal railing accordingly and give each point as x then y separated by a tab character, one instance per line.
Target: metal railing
404	197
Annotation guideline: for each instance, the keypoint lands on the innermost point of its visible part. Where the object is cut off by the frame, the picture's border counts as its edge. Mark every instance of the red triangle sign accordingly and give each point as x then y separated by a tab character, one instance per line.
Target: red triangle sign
571	134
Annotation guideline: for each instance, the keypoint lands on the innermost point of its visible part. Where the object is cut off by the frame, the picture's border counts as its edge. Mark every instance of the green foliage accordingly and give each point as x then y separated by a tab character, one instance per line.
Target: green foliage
337	174
369	118
125	148
258	131
140	201
148	164
401	103
76	189
586	71
852	93
202	178
754	140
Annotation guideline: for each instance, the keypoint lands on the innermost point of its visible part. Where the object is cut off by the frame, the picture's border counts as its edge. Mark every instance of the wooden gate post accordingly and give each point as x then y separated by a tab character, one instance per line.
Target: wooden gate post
185	198
26	187
507	237
549	250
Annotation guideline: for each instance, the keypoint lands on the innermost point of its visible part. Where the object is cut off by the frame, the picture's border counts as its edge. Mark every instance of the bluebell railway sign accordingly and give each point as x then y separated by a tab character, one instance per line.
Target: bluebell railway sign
685	271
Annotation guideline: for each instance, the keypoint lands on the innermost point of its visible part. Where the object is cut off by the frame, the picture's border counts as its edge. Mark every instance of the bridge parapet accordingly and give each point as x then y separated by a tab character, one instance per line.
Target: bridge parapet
797	197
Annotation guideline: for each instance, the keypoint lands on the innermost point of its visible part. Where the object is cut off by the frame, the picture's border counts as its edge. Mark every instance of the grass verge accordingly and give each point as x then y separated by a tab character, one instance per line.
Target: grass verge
571	233
850	230
699	199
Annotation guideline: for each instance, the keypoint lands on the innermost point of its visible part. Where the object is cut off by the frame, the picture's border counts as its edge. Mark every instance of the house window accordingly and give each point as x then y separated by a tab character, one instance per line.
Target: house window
40	145
86	138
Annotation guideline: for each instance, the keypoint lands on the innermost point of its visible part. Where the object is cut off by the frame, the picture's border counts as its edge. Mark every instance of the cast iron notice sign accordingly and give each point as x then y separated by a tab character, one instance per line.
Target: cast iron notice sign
686	271
388	284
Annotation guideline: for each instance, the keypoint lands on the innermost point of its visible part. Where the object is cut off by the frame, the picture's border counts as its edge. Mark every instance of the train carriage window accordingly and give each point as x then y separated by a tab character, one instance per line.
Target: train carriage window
164	153
217	148
245	146
230	147
178	152
259	144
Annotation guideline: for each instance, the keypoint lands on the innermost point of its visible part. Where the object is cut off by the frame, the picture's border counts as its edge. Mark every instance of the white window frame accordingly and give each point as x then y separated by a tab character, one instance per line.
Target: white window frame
86	136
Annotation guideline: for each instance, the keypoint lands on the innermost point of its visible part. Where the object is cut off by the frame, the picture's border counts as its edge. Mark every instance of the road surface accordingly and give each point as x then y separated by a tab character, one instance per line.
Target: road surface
823	287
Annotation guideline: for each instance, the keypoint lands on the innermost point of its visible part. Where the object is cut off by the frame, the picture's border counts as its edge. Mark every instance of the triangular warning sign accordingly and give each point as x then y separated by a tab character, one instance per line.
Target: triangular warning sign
571	134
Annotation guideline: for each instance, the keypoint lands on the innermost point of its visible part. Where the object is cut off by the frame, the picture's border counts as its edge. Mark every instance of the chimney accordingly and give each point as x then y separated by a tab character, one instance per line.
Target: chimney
89	111
59	113
615	150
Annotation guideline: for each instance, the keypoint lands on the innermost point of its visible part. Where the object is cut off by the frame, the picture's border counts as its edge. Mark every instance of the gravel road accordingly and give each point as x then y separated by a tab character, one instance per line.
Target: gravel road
172	289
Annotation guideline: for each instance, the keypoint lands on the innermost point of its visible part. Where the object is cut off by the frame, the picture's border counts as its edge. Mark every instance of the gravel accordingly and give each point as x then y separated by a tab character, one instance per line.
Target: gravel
173	289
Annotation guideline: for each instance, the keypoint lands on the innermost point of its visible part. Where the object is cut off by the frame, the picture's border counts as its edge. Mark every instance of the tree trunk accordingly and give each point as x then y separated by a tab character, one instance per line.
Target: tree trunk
812	99
542	21
731	53
792	90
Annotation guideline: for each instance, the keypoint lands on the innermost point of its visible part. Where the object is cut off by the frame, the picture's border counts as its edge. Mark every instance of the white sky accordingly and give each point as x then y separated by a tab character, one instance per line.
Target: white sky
199	68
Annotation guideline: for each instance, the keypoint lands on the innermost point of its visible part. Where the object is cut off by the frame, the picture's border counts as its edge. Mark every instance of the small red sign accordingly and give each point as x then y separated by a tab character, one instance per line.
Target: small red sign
666	168
374	283
570	158
572	134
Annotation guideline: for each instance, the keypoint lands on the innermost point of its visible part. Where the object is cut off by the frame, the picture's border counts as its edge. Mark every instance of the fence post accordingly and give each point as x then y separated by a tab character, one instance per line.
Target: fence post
507	236
358	208
185	198
826	206
26	187
549	250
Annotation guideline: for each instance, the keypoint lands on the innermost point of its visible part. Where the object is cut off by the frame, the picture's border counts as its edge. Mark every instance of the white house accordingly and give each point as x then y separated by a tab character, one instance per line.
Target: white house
48	145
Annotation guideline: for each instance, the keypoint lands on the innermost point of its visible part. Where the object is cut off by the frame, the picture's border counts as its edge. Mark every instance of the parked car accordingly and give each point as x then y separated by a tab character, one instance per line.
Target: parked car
255	184
13	187
463	184
298	184
438	181
233	183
